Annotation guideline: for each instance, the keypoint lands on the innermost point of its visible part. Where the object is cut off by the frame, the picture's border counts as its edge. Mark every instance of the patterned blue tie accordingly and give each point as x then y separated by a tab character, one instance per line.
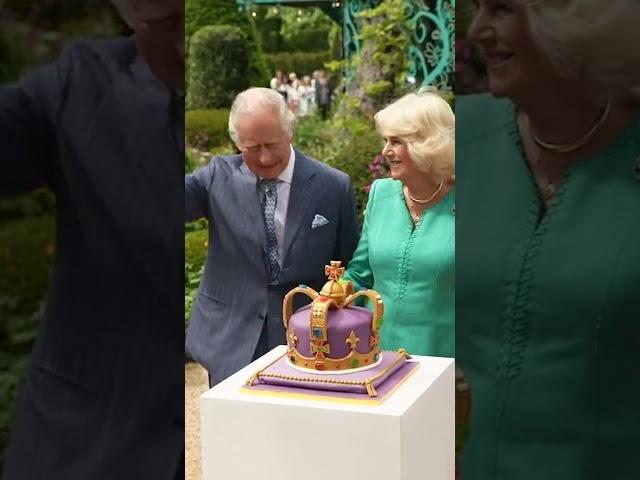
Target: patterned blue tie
269	200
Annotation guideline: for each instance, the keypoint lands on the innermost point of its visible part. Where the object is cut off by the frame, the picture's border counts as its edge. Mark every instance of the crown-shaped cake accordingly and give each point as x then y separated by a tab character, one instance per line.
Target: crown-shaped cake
331	335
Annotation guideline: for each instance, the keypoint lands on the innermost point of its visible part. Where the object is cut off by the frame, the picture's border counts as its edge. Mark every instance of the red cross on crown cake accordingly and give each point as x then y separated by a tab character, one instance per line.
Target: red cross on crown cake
333	345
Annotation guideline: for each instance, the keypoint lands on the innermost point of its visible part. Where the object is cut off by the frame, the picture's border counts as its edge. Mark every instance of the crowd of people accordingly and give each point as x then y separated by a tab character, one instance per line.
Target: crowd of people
306	97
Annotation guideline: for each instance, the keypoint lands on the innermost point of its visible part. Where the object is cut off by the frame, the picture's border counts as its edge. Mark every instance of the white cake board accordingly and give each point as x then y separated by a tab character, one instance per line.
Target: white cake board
408	437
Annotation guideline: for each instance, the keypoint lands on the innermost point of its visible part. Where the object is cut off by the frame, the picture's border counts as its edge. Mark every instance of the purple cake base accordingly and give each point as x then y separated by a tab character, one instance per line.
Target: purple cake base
394	365
384	390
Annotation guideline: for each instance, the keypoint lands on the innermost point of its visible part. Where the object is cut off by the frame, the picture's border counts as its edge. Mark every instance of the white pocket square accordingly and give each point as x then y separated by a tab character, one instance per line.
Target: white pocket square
318	221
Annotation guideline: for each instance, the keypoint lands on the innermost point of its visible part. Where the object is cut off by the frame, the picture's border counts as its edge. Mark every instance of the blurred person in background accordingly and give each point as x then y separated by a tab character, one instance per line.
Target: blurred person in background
306	97
323	95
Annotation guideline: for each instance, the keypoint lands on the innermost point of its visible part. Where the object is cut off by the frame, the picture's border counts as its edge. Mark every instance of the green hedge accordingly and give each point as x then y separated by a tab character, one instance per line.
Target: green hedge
302	63
310	40
201	13
335	42
207	129
36	203
195	251
26	256
12	56
350	146
190	162
354	157
218	66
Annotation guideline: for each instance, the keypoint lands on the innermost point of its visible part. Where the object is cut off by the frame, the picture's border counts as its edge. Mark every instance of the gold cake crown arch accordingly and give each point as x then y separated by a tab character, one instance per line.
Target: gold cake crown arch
334	295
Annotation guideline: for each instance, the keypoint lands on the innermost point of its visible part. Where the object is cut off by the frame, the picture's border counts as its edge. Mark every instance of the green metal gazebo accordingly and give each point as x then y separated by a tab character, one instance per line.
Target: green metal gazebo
431	53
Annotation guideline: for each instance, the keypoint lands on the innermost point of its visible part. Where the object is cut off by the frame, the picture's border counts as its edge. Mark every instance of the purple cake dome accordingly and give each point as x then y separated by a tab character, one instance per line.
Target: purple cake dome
331	335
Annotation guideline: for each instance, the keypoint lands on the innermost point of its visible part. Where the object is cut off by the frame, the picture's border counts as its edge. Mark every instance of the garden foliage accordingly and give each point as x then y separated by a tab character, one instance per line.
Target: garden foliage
26	256
207	129
377	74
218	66
202	13
302	63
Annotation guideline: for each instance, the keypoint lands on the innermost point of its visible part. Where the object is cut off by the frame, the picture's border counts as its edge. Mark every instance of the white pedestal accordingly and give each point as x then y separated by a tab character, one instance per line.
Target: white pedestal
408	437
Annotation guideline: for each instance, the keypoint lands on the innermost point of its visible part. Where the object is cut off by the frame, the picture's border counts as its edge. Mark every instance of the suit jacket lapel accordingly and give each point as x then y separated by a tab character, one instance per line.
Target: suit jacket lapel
156	169
151	141
302	187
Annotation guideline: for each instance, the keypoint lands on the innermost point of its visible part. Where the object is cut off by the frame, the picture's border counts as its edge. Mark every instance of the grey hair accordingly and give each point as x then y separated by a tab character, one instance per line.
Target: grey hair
586	39
260	99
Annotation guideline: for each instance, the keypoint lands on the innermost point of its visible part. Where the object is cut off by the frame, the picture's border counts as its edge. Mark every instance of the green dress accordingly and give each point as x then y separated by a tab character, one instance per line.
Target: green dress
548	306
411	268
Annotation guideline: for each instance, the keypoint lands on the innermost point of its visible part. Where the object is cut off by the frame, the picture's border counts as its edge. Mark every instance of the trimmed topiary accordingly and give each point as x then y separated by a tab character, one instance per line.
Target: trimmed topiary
201	13
218	67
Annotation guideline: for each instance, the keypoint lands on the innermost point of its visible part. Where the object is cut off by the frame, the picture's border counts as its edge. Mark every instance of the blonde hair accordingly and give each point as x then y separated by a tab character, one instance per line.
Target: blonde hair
427	123
586	39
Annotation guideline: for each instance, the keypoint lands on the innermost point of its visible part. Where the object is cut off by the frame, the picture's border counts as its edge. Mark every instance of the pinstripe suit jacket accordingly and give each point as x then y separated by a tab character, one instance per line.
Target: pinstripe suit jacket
235	296
103	394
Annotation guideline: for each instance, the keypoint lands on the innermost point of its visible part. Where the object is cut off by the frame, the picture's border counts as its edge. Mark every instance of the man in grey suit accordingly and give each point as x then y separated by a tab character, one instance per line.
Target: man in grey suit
276	218
103	396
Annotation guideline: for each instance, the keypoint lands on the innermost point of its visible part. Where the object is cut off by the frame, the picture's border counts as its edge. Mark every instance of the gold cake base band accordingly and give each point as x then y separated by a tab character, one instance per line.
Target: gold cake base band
367	383
326	398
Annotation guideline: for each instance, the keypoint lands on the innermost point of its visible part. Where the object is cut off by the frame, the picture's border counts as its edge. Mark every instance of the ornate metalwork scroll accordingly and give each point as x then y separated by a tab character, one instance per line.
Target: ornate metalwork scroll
431	54
350	28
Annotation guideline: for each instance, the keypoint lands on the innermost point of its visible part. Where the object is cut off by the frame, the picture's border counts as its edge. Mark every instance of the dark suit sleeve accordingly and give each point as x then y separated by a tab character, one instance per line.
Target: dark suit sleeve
348	232
29	120
196	190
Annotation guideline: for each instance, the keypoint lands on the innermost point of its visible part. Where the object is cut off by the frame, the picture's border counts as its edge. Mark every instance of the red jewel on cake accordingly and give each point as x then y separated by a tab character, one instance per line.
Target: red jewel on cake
322	298
319	366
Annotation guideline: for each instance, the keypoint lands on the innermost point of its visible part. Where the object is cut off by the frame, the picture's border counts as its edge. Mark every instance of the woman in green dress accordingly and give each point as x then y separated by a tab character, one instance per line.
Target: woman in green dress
406	251
548	252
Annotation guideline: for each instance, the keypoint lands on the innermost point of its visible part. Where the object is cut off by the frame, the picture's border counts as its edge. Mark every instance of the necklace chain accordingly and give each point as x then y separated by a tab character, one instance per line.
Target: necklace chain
422	202
416	217
575	145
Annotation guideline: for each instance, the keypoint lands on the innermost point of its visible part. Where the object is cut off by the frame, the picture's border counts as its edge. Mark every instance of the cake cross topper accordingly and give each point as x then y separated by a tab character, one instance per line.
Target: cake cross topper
334	271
